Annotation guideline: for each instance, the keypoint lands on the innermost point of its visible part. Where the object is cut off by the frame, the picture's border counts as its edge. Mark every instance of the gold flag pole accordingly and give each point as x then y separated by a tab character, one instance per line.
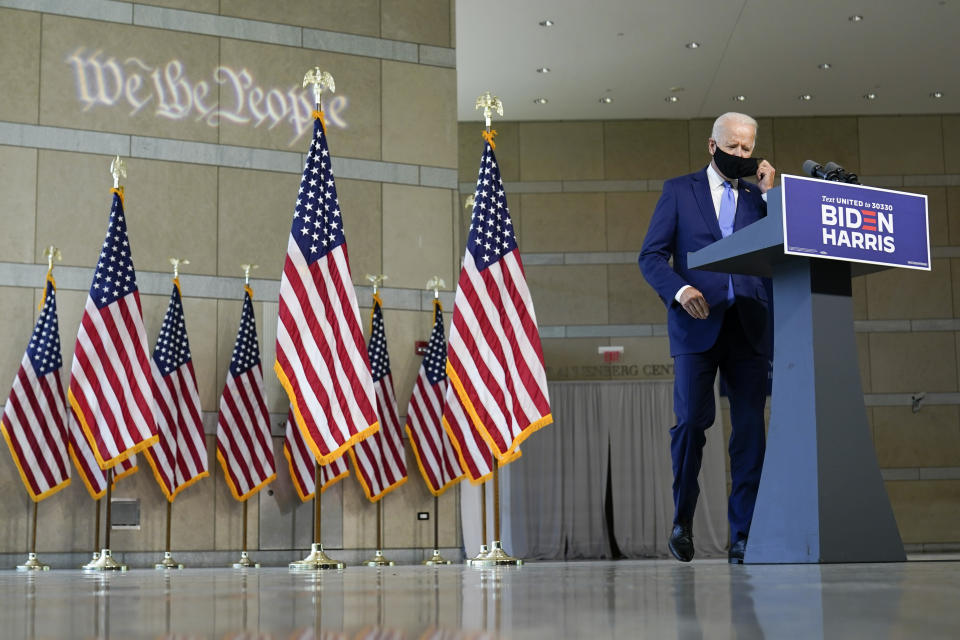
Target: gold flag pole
106	562
32	563
168	562
469	203
317	559
51	253
118	169
497	556
245	562
436	283
436	558
484	549
378	559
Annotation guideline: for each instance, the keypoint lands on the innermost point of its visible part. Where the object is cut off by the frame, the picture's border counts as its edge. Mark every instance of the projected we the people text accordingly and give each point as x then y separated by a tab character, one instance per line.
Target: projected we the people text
104	81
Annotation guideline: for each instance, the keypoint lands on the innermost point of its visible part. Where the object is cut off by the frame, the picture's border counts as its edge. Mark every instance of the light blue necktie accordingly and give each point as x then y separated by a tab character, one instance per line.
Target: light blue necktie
728	209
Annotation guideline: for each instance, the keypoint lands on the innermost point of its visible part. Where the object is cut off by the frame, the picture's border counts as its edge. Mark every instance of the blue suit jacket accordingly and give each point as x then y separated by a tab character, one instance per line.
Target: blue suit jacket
685	220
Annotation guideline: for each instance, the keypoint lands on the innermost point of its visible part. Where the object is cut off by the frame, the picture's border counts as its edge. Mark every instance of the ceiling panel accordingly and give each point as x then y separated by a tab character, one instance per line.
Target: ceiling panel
766	50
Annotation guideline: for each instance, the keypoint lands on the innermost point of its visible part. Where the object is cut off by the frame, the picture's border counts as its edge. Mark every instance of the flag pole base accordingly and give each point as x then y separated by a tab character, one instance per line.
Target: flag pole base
484	552
436	559
378	560
245	562
93	560
32	564
497	558
316	561
105	563
168	562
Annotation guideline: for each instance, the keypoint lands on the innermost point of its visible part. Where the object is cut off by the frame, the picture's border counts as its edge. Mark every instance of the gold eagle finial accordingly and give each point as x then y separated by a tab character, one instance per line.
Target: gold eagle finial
320	80
118	169
436	283
489	103
376	281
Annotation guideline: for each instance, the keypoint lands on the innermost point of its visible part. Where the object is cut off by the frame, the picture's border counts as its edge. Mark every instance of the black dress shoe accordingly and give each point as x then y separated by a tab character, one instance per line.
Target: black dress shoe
681	542
737	550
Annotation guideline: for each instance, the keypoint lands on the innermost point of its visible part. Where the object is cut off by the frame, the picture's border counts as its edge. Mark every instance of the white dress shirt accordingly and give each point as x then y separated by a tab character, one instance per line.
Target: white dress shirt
716	192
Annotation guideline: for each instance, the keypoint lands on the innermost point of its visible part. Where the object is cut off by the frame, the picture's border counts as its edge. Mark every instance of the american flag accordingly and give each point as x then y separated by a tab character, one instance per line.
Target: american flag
321	356
435	455
244	447
494	359
111	380
94	478
301	462
474	453
379	460
35	420
180	456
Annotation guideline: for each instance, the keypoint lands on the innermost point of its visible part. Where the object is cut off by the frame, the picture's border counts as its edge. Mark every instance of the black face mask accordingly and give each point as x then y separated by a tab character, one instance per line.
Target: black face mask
734	167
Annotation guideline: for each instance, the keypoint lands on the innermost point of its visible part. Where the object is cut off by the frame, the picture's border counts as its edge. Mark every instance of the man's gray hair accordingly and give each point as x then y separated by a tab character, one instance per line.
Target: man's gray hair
729	118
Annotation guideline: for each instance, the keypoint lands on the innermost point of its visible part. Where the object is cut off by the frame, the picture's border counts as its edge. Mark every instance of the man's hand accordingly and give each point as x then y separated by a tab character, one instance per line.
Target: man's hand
765	175
694	303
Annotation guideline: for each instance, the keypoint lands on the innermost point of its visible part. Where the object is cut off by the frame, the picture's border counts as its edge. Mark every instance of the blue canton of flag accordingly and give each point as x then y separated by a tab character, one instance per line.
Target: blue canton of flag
246	352
317	225
44	347
173	348
115	276
435	362
491	229
377	349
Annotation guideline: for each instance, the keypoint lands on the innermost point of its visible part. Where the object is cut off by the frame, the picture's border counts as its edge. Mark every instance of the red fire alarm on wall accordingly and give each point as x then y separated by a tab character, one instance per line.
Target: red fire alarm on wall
420	347
611	354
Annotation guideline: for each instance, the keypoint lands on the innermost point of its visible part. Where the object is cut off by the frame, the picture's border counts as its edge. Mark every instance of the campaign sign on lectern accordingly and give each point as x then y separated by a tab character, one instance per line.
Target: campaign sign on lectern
821	496
854	223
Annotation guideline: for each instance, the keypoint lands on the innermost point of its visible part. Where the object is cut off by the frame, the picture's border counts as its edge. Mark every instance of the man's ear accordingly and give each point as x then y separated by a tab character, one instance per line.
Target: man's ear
711	145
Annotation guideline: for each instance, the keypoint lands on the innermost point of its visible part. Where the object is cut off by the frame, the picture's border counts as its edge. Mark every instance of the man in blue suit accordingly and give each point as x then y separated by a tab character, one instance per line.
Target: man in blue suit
715	321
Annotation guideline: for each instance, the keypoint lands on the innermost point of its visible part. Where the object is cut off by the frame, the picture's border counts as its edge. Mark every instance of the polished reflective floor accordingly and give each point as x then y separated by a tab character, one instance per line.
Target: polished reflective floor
626	599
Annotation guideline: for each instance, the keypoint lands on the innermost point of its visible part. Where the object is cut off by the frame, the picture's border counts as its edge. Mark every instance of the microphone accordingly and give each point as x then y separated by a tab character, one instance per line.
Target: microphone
814	170
835	169
840	174
830	171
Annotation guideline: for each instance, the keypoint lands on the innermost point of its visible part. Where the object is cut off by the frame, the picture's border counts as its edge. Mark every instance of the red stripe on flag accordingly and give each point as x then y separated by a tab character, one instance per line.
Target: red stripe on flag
34	420
314	429
435	456
115	384
301	464
321	356
182	440
36	437
495	361
244	445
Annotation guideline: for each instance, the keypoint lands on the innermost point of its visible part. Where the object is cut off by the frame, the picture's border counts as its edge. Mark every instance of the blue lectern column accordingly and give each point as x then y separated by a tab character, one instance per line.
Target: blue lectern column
821	495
